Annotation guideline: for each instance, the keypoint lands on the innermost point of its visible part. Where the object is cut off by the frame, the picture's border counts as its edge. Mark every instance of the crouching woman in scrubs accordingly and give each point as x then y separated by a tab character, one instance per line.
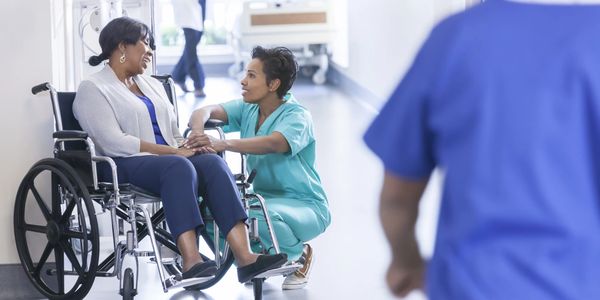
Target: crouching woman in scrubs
277	135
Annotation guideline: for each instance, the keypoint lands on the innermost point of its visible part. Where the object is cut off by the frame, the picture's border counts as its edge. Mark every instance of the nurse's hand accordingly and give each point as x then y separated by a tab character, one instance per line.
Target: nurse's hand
204	150
194	139
205	142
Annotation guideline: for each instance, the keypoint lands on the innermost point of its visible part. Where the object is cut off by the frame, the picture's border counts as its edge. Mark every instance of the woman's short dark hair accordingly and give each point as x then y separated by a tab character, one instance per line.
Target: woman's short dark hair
123	29
278	63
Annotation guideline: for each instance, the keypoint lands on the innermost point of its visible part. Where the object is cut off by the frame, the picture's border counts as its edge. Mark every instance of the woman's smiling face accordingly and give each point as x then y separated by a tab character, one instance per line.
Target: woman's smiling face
139	56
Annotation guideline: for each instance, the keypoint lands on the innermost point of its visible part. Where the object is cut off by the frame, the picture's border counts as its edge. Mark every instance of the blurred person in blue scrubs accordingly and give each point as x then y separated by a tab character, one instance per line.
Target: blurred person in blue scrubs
190	15
277	136
504	99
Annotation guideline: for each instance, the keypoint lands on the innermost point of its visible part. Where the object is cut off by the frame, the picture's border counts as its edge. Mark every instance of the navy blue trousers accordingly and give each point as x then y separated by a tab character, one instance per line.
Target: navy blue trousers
180	181
189	64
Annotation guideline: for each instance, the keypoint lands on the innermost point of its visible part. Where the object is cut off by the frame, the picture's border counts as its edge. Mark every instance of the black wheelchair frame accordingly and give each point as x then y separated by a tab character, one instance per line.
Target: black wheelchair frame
70	226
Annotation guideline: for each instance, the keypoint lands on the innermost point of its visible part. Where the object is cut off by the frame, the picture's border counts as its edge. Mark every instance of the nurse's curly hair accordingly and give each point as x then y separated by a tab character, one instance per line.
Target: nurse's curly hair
278	63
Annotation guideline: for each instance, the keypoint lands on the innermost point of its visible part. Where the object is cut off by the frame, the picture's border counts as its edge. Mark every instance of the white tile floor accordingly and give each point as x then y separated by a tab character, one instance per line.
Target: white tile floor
351	256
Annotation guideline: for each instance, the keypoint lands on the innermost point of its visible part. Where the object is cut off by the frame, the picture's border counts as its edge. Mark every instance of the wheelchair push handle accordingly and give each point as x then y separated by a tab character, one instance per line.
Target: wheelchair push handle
40	88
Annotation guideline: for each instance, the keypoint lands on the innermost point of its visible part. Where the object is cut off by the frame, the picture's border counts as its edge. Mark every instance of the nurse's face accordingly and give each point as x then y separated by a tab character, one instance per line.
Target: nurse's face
254	84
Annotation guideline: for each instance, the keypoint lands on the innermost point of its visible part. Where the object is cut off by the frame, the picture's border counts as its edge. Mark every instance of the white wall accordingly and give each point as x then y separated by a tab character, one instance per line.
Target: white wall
384	36
26	120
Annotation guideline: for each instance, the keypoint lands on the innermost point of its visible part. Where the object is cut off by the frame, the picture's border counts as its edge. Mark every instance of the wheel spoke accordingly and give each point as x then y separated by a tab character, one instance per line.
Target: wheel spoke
74	234
43	258
35	228
65	217
60	269
40	201
72	258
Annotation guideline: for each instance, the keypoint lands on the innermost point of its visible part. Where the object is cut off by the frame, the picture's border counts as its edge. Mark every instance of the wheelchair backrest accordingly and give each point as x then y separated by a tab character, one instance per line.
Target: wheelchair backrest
75	153
65	104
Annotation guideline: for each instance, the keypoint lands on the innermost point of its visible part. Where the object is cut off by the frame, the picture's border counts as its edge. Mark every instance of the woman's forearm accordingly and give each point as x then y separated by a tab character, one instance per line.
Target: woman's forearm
156	148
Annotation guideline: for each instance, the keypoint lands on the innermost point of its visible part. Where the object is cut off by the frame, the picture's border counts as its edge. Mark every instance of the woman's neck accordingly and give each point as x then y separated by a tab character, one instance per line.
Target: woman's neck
121	74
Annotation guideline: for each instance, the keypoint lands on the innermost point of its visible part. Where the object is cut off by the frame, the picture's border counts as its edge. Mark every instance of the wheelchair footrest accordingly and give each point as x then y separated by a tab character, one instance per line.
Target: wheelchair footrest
173	282
144	253
165	260
283	270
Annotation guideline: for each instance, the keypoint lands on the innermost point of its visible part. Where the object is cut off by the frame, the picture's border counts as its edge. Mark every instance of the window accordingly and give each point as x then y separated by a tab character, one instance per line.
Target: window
214	46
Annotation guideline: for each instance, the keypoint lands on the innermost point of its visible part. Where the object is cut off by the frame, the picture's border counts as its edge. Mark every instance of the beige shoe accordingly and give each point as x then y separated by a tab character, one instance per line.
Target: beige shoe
299	279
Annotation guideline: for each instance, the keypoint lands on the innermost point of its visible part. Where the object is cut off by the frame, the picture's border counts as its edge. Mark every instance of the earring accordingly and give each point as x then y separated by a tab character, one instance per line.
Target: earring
122	58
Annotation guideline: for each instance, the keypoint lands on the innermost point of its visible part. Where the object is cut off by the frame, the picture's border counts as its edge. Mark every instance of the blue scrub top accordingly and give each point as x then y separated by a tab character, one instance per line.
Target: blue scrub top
505	99
289	175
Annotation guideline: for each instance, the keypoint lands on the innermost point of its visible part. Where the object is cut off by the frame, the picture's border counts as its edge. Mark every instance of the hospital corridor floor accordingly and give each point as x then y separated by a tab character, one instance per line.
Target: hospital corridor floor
351	256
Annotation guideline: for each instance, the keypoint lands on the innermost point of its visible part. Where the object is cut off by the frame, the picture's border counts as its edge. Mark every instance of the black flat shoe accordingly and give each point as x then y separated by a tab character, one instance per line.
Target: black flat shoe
201	269
262	264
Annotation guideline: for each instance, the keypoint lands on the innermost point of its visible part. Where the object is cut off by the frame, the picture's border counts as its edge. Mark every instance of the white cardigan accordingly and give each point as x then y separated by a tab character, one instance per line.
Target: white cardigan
116	119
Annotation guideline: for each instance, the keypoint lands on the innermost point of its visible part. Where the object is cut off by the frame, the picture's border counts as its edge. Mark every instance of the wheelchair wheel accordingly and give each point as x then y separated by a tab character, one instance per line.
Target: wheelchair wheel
128	291
54	223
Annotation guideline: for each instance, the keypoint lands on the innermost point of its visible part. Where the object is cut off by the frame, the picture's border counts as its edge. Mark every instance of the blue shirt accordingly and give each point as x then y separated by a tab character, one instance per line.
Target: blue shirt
505	99
157	134
290	175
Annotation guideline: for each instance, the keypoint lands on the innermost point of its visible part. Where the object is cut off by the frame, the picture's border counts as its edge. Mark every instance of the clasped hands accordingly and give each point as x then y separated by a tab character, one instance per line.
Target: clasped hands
199	142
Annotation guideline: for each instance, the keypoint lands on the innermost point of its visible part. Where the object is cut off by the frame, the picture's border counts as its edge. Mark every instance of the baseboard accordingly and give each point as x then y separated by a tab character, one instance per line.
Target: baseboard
14	284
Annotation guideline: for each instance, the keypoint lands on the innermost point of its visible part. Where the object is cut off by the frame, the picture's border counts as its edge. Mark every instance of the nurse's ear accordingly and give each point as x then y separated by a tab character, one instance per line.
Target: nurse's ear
274	85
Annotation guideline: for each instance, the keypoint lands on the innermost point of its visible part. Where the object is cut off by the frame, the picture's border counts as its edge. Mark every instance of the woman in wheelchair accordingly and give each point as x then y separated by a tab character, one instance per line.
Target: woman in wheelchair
129	117
277	134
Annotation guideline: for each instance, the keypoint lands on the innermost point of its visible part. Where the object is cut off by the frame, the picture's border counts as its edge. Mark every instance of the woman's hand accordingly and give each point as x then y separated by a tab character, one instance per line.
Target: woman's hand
204	143
185	152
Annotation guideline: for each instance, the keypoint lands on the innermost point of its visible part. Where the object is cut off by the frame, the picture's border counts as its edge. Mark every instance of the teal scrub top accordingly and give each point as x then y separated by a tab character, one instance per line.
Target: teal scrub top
289	175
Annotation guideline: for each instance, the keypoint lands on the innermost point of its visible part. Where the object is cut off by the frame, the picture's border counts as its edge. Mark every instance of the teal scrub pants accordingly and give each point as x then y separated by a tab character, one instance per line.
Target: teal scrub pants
294	221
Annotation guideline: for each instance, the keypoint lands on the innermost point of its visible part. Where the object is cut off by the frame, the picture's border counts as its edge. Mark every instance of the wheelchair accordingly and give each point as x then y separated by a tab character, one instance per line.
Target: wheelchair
66	222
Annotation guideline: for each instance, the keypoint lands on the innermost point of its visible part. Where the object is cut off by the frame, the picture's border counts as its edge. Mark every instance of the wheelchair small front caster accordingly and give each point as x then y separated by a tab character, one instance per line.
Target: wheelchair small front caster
257	284
128	290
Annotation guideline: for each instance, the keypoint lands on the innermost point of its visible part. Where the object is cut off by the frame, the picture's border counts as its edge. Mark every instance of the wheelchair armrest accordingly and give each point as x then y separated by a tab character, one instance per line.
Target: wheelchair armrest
213	123
70	134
